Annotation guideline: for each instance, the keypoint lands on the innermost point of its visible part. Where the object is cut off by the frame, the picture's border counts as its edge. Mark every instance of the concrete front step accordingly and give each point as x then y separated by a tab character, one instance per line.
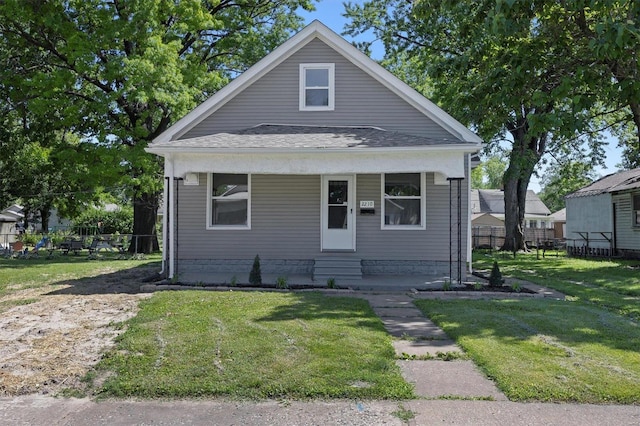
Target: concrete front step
337	268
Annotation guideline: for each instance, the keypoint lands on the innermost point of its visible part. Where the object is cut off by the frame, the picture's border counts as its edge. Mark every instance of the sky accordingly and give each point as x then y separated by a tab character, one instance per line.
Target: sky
329	12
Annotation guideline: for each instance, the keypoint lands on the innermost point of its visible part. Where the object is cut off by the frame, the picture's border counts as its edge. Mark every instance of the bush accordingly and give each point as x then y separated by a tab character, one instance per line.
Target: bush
119	221
495	279
255	277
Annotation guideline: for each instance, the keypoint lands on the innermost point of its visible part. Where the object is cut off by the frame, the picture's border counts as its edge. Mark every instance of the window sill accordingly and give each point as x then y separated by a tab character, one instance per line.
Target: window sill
228	228
403	228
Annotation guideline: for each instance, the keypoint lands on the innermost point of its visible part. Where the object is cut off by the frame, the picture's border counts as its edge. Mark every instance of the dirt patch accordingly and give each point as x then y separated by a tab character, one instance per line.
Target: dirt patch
51	343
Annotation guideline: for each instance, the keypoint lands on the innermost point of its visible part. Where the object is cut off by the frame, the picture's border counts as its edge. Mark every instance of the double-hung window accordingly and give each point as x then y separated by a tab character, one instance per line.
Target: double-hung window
317	87
636	210
404	205
229	203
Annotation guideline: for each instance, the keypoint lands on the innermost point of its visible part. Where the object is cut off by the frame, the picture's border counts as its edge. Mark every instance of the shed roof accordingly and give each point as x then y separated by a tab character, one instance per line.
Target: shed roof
615	182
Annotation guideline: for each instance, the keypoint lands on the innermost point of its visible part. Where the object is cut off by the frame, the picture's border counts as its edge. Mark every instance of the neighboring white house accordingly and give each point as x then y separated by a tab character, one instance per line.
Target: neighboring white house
604	217
316	155
10	218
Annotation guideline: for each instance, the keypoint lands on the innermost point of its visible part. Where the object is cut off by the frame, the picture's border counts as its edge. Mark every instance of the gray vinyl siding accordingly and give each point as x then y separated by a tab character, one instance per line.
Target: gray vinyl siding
592	215
359	101
627	235
285	223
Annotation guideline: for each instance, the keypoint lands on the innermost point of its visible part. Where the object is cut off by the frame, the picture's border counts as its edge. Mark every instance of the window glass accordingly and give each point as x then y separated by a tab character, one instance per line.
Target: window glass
317	77
316	97
636	210
316	87
229	199
403	199
405	184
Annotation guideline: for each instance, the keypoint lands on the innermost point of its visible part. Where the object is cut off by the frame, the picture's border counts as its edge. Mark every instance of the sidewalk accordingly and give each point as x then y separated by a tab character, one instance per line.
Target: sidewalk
43	410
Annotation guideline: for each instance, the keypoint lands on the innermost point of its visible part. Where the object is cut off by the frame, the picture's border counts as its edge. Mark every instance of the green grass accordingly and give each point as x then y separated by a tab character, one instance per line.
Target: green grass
49	274
613	284
254	345
546	350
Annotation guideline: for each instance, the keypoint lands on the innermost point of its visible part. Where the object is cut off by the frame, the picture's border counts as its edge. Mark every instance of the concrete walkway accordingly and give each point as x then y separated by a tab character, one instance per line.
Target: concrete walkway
421	344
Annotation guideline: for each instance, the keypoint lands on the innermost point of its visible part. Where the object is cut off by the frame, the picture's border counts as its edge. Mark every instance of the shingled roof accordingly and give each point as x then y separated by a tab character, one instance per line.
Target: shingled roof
492	201
275	136
628	179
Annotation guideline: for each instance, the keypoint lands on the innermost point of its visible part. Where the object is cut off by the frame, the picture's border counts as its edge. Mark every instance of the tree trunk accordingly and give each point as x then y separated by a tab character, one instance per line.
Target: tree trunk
145	210
635	112
45	214
525	154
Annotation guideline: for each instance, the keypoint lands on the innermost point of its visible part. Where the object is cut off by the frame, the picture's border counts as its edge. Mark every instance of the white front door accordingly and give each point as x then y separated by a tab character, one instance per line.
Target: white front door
338	216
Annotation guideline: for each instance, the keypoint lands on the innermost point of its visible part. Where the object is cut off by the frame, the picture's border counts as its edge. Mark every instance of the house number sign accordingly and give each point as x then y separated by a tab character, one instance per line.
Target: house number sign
367	204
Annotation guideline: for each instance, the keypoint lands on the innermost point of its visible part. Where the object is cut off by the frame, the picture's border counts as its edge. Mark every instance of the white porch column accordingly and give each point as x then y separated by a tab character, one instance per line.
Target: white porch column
165	240
172	222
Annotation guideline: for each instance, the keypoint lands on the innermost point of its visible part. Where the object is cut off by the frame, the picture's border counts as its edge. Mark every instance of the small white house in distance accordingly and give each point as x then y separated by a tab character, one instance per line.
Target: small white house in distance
321	162
603	218
9	220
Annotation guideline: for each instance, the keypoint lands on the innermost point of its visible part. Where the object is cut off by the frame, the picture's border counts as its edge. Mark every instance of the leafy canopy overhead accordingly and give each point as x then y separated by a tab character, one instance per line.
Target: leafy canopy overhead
119	72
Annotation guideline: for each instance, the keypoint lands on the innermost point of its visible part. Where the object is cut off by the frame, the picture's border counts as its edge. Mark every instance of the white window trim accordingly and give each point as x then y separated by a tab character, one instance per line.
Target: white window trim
423	207
303	106
209	225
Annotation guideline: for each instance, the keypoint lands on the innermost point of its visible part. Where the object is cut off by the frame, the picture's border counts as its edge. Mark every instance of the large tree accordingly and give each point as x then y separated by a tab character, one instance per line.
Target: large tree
511	70
119	72
610	31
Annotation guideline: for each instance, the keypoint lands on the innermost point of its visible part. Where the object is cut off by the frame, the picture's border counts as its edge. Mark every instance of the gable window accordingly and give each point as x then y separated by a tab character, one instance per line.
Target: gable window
636	210
404	205
316	87
229	203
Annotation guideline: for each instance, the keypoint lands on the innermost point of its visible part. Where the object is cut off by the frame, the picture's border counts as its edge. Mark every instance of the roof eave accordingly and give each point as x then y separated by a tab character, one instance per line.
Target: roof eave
163	150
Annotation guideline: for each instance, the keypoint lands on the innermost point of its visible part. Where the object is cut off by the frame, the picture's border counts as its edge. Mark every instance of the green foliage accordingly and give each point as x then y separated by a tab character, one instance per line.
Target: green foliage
120	73
119	221
522	73
561	179
255	276
446	286
489	174
282	283
495	279
331	282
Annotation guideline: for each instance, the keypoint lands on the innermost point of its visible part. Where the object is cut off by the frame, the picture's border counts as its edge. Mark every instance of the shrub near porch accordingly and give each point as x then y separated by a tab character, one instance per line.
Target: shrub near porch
254	345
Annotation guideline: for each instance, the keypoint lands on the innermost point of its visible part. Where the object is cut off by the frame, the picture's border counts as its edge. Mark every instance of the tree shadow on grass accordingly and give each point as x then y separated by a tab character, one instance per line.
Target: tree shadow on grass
560	324
313	306
127	281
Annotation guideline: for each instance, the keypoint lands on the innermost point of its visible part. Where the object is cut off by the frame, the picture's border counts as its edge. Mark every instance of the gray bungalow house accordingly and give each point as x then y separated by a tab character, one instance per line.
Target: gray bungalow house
603	218
321	162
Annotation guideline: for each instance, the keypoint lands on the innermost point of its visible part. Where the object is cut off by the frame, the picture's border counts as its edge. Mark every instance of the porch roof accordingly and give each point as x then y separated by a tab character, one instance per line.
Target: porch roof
277	137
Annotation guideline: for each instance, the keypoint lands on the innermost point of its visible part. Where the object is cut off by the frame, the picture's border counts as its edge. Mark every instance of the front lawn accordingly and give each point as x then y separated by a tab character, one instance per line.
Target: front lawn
546	350
254	345
613	284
